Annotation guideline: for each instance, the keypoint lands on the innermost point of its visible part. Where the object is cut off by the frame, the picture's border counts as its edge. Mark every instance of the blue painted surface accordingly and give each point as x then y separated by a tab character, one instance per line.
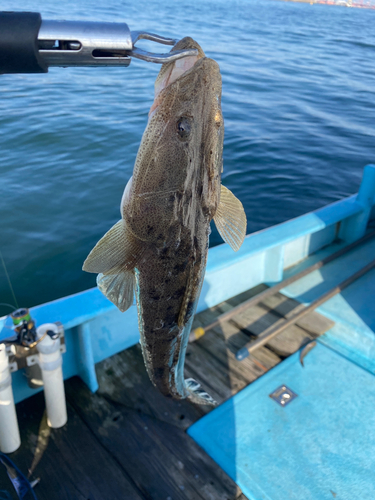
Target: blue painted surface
353	310
319	447
263	257
251	265
354	227
86	361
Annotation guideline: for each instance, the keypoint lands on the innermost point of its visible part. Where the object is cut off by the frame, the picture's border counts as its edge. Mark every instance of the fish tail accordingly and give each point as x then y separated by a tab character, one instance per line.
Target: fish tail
197	395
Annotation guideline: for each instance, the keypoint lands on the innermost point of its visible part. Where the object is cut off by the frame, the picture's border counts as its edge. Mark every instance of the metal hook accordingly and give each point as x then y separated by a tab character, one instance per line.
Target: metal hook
158	58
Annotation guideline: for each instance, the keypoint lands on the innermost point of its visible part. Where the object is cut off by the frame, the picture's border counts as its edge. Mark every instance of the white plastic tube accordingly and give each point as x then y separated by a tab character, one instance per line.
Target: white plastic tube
50	362
9	433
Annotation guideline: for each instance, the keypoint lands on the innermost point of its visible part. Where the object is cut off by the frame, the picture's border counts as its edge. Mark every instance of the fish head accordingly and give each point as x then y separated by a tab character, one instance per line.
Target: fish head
179	161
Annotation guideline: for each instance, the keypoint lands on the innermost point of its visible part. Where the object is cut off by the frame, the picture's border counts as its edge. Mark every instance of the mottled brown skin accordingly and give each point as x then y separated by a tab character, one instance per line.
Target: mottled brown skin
173	197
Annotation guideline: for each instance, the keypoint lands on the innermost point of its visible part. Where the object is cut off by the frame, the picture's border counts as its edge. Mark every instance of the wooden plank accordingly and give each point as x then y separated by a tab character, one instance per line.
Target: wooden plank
257	319
214	377
70	462
124	379
238	299
223	342
163	461
215	343
314	322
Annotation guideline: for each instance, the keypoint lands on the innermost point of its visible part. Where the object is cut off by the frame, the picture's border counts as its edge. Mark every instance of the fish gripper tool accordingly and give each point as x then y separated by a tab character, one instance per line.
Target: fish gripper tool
29	44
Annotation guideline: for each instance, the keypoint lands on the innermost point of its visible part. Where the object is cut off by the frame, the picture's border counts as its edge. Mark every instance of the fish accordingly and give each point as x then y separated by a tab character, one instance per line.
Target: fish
158	250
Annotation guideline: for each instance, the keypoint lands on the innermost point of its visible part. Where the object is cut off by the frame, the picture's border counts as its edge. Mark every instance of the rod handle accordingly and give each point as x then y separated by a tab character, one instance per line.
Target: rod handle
18	43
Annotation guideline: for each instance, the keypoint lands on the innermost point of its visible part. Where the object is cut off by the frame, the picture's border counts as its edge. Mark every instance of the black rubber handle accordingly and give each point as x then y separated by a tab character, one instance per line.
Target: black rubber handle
18	43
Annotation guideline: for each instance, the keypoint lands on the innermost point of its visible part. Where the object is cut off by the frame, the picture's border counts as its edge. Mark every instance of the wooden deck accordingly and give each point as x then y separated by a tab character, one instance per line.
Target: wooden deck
127	442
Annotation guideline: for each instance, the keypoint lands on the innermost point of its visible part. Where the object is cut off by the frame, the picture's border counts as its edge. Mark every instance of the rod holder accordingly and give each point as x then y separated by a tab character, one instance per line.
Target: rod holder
50	362
9	433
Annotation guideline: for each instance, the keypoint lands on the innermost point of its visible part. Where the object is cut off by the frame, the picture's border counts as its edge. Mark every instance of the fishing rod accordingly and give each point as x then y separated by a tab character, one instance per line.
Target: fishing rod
29	44
200	331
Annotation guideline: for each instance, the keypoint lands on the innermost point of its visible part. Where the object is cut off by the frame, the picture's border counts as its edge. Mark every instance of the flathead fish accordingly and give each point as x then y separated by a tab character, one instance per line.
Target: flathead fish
158	250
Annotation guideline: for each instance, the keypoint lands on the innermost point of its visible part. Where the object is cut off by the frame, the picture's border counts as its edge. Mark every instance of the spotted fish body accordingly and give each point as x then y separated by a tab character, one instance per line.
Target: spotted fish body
159	247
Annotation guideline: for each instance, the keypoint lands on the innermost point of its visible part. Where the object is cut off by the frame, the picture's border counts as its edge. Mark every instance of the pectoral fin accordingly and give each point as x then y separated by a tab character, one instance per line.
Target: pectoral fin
118	247
230	219
118	287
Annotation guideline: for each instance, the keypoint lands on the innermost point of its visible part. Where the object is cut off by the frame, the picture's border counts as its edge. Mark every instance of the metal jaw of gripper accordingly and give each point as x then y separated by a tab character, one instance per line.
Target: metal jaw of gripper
76	43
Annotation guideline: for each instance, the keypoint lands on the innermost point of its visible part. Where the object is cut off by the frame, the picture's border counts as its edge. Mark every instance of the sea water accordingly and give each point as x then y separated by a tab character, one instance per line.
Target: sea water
298	103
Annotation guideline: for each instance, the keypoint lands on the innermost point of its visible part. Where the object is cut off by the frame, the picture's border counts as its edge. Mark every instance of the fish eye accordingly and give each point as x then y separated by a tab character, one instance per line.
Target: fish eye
184	127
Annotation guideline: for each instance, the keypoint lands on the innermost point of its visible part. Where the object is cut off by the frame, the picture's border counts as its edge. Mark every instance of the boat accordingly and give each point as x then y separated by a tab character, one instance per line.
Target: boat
295	417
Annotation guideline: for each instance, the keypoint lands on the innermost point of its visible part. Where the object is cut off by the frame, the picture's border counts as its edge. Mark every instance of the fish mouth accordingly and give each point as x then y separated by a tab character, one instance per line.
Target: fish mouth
171	72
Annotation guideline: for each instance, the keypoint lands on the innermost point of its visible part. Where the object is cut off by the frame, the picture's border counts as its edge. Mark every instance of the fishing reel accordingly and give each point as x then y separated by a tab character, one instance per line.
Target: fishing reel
21	339
23	330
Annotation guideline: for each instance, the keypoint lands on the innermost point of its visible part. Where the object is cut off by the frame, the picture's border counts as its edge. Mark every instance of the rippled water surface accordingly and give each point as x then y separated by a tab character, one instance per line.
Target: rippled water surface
298	104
